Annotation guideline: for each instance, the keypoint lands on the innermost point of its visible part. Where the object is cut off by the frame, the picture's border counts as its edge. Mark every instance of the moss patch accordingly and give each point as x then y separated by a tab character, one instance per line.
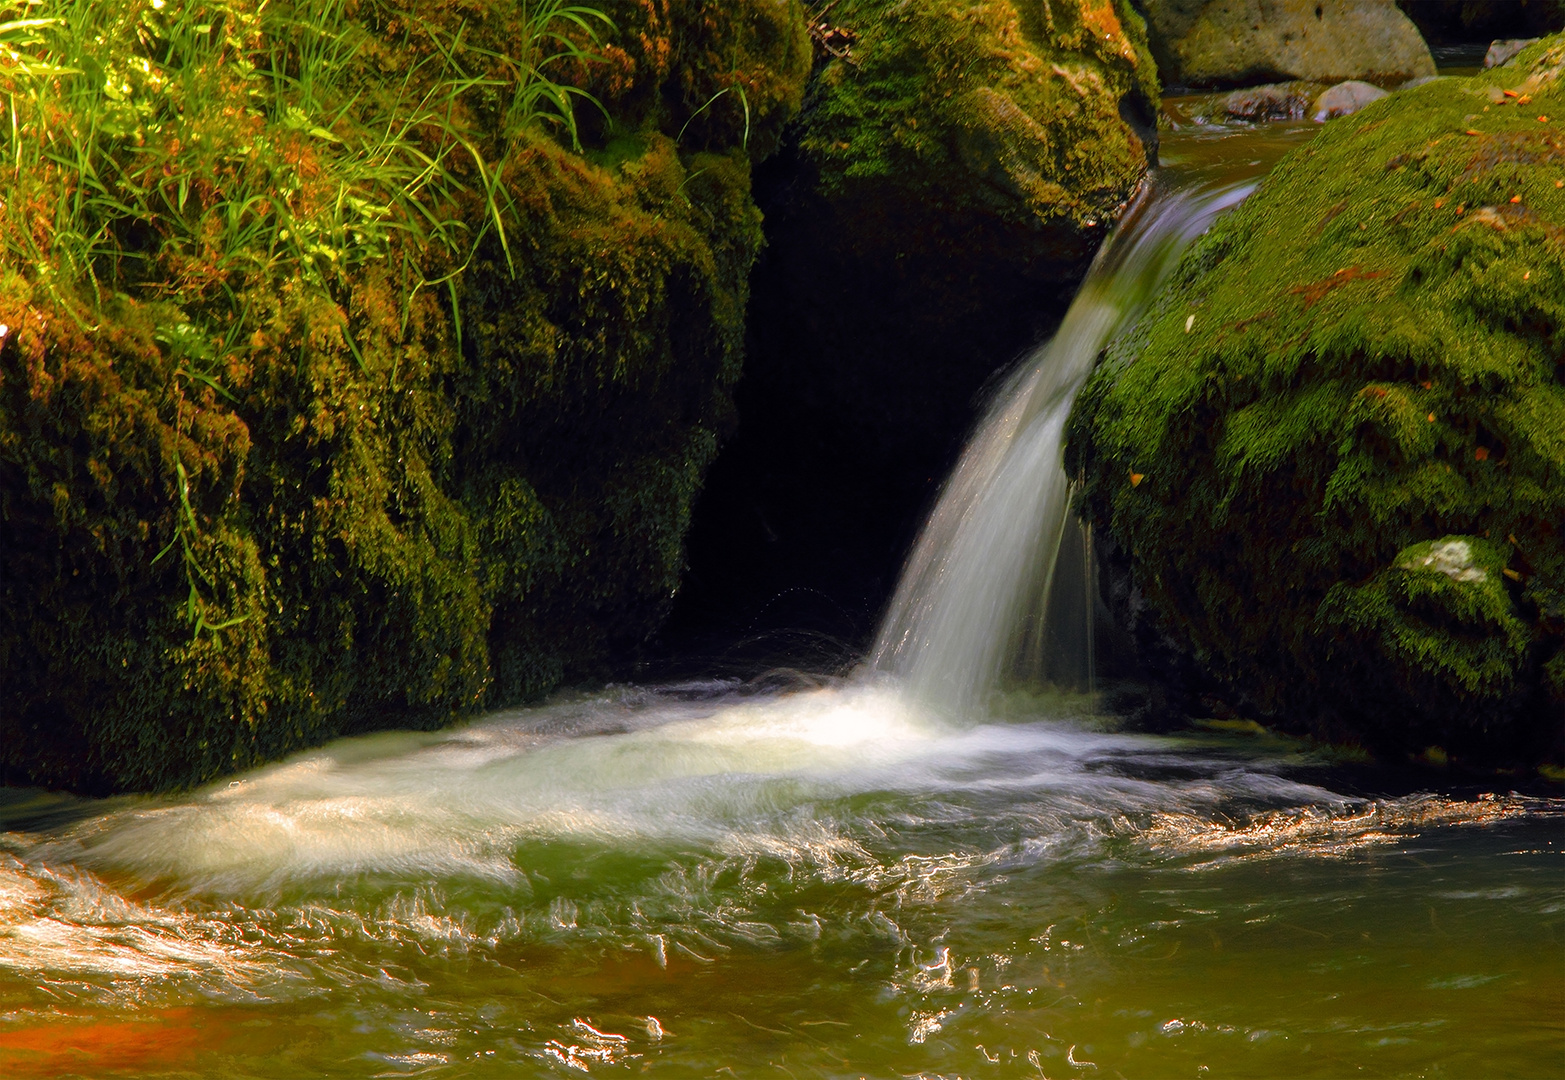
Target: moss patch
1373	371
251	499
989	109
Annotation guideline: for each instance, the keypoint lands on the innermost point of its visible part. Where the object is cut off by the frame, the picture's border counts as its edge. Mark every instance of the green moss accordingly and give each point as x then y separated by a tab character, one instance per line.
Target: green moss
715	73
1373	364
993	108
406	500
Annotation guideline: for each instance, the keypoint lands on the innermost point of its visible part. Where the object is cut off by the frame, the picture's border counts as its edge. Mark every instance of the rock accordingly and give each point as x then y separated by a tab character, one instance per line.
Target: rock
1351	500
1452	557
323	473
1272	101
1345	98
1239	42
950	182
1502	51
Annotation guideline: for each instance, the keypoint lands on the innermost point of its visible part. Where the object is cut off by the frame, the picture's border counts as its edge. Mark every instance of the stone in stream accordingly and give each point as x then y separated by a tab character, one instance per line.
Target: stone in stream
1273	101
1345	98
1501	51
1235	42
1352	464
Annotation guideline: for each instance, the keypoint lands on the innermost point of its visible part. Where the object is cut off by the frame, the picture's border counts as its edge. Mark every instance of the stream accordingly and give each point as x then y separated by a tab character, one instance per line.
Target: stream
929	867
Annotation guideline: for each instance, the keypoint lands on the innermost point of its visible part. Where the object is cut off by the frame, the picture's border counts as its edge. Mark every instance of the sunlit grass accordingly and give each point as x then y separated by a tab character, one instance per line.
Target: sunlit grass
201	151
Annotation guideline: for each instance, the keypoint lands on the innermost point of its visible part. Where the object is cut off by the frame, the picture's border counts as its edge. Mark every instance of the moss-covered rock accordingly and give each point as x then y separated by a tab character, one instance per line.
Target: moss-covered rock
1346	418
942	191
278	462
954	114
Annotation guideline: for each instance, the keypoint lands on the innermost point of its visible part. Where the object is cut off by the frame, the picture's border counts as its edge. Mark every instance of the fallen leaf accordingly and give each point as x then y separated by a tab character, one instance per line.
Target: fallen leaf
1516	198
1431	418
1135	479
1482	453
1512	574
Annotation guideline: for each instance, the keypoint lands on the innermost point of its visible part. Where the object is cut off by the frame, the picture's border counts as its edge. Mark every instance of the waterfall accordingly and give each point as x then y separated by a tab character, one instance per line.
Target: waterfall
973	607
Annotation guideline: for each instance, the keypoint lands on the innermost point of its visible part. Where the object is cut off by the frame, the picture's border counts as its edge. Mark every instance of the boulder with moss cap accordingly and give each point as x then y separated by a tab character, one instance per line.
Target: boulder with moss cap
1354	462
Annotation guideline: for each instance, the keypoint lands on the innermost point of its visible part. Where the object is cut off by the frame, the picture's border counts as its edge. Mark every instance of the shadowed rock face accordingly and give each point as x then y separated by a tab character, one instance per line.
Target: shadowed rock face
1346	414
947	183
1201	43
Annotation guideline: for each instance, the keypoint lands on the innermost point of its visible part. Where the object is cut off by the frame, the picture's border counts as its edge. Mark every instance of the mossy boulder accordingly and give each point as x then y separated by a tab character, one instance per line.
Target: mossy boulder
1330	462
947	182
289	451
949	116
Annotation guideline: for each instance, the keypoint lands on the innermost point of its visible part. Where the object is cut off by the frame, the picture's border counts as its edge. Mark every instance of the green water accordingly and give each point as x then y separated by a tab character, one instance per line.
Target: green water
834	881
823	883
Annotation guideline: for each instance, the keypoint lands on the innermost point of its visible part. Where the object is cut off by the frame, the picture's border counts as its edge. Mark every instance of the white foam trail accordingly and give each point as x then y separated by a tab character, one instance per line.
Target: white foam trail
977	582
735	775
459	803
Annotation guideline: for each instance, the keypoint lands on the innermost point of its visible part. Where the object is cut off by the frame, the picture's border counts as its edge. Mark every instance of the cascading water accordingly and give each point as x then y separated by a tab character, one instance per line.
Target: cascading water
971	604
717	880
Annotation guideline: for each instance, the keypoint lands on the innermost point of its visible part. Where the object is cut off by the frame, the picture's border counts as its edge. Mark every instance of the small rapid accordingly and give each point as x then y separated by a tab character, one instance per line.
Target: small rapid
971	605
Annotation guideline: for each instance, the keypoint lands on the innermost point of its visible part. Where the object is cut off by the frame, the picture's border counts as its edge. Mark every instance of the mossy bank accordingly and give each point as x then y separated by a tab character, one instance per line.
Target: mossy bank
1329	465
341	387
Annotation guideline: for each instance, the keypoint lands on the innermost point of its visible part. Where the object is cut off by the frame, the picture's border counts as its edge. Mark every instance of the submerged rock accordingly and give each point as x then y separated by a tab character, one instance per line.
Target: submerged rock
1345	99
1235	42
951	175
1351	507
1273	101
314	452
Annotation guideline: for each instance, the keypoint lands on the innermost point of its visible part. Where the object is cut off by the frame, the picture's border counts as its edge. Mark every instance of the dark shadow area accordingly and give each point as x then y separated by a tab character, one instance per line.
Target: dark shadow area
862	382
1452	24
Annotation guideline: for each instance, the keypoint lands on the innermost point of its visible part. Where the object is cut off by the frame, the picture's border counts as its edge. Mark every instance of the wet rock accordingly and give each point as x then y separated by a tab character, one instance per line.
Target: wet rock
1272	101
1502	51
1345	98
1239	42
1350	501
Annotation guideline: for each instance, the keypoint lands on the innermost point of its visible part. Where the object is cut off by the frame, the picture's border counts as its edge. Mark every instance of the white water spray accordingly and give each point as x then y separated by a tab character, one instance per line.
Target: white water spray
970	608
